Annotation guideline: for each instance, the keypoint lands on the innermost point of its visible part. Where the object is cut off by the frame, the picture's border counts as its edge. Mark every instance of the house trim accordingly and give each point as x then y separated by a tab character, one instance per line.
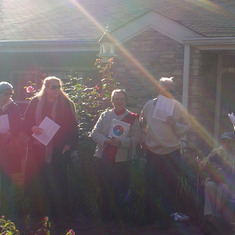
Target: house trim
49	46
156	21
186	73
220	43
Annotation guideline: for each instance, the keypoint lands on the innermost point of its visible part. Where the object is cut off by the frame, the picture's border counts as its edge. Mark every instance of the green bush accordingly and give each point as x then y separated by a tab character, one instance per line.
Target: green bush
7	227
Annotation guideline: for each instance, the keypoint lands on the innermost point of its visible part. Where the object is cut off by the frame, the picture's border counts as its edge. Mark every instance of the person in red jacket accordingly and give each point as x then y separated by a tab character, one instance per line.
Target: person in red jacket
45	173
12	144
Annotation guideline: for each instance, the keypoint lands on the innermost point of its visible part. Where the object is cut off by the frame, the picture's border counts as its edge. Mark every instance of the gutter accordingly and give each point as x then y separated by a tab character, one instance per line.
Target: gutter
49	46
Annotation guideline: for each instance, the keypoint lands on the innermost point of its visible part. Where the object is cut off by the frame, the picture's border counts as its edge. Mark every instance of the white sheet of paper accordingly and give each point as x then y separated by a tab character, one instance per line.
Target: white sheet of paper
4	123
232	118
119	128
49	130
164	108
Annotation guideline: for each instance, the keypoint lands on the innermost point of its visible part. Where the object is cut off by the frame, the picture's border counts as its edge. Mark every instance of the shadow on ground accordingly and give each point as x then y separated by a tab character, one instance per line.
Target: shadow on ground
82	225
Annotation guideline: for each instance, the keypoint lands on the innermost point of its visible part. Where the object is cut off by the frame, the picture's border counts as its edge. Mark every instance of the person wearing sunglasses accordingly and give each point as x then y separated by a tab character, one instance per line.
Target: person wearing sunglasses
45	175
12	143
10	114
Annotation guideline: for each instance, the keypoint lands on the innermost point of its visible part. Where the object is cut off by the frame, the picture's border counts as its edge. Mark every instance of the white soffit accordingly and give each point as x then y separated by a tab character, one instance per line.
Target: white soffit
159	23
219	43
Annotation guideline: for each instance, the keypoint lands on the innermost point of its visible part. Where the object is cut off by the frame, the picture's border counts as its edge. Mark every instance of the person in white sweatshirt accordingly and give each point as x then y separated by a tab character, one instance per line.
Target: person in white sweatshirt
161	139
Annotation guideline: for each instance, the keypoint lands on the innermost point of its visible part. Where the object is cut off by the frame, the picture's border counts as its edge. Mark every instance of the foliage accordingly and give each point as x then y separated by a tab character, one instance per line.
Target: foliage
85	185
7	227
189	193
136	196
91	99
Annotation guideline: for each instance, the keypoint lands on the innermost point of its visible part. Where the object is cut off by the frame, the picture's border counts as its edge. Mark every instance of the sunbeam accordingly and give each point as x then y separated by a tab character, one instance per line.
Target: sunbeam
198	128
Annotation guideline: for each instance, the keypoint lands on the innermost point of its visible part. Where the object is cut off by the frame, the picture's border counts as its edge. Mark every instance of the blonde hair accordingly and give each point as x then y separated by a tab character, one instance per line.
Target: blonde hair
46	82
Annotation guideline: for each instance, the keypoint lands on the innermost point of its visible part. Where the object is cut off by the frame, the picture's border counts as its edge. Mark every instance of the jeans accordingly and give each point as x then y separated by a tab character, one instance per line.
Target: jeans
161	184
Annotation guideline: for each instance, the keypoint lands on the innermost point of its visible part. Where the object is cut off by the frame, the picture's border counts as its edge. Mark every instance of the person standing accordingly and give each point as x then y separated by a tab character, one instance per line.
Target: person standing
161	139
114	153
12	145
46	183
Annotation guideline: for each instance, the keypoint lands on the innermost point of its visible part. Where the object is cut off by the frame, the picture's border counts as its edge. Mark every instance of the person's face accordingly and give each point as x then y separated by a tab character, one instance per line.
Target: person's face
228	145
119	101
5	96
52	90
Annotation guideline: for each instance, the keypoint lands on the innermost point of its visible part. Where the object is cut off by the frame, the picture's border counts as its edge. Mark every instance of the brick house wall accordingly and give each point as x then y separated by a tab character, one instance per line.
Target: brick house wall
160	56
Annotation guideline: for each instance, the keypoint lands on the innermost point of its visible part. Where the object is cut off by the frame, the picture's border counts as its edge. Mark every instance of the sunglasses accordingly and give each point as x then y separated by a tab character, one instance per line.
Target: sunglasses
54	87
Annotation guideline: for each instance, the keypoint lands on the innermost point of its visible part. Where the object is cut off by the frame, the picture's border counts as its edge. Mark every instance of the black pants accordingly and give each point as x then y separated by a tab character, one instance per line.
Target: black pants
47	190
161	180
114	183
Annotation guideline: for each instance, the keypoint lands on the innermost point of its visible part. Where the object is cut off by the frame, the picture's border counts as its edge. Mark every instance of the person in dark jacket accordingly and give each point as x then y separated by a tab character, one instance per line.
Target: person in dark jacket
12	143
46	181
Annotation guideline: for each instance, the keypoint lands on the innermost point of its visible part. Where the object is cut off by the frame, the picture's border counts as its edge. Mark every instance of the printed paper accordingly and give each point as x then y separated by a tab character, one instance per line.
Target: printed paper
4	124
119	128
49	130
164	108
232	118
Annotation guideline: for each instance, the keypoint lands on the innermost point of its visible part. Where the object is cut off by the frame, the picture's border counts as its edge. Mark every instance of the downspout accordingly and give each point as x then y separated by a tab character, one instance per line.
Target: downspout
186	79
185	98
218	98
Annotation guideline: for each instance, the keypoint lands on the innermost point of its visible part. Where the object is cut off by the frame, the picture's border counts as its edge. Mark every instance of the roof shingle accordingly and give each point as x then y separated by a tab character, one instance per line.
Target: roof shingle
62	20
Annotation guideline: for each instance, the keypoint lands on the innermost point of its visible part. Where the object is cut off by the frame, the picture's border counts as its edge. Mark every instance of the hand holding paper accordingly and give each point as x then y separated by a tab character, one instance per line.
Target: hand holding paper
4	123
171	121
49	129
232	118
37	130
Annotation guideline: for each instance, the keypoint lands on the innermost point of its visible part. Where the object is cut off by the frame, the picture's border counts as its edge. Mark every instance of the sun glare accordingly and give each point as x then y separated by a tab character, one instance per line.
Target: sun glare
197	127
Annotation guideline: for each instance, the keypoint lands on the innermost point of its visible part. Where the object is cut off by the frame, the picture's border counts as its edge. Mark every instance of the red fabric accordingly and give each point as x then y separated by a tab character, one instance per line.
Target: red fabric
120	112
12	155
109	151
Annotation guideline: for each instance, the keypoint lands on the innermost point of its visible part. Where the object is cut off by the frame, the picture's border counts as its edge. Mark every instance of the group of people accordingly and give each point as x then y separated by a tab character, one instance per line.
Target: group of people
160	139
117	133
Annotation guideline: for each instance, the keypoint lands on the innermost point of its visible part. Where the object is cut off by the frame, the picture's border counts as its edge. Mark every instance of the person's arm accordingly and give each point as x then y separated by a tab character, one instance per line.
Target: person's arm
69	127
143	129
182	125
97	134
